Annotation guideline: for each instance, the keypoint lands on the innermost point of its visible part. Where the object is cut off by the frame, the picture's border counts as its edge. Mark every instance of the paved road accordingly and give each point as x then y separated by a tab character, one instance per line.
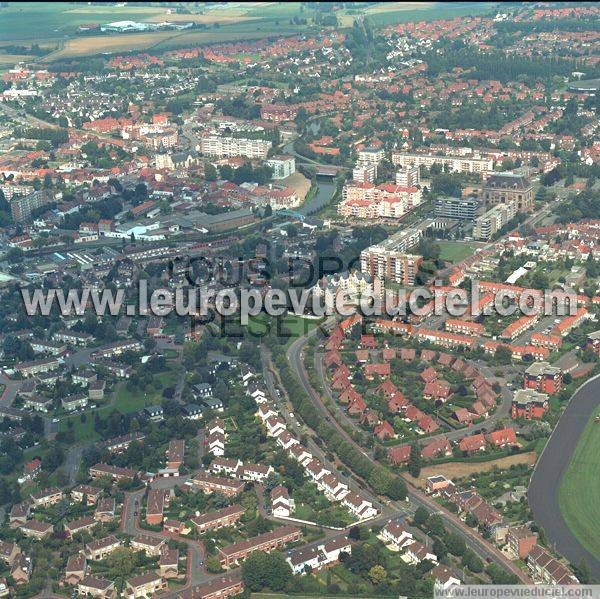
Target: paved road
550	469
295	427
473	539
129	524
10	390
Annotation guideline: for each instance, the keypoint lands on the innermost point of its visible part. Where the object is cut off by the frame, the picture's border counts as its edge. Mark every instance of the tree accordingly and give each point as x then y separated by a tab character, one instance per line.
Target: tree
377	574
210	172
582	571
455	544
271	481
472	562
213	564
266	570
503	355
421	516
397	489
439	548
415	461
435	525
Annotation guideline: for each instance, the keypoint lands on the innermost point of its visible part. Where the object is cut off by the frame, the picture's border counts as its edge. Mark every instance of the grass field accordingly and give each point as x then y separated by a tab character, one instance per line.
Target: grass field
579	492
126	402
455	251
291	324
462	469
391	13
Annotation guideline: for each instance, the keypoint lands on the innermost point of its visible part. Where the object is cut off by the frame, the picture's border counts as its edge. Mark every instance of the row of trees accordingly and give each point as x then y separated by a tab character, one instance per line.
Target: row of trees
379	478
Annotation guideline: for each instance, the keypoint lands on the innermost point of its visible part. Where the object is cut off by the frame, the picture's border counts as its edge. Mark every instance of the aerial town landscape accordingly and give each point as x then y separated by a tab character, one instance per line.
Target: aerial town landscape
415	184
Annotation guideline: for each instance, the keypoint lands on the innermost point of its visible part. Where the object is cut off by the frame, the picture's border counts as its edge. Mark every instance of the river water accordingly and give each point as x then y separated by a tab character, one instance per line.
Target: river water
325	191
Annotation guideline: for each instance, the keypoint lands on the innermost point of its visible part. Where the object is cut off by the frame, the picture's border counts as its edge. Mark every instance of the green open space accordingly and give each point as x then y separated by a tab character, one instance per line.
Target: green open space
391	13
285	325
40	20
579	492
455	251
127	401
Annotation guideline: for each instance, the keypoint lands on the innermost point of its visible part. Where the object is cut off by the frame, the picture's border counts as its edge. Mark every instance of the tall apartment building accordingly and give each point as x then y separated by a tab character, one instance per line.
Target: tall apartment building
283	166
365	200
493	220
21	207
457	164
364	172
225	147
529	404
386	262
9	190
408	176
457	208
371	155
506	188
542	377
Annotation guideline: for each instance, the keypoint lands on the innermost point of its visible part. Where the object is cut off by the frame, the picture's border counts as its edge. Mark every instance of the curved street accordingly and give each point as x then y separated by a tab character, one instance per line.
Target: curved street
550	469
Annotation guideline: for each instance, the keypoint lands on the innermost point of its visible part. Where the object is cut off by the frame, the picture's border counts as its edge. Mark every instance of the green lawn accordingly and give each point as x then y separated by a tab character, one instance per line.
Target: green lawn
84	431
132	401
126	402
579	493
455	251
289	324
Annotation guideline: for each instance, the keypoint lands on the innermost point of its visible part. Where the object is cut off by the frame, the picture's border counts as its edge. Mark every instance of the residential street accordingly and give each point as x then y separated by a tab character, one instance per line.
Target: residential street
417	497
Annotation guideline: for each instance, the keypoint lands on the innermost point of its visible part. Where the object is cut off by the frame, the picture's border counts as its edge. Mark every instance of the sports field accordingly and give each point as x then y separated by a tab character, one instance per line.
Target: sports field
455	251
579	492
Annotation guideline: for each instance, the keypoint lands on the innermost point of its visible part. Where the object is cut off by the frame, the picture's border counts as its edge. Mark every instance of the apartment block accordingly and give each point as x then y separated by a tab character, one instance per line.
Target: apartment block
225	147
219	519
456	164
529	404
275	539
409	176
491	221
542	377
387	263
457	208
283	165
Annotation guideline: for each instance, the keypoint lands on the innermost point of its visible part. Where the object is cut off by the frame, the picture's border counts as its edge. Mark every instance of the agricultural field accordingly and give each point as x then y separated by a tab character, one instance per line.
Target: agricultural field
579	491
56	24
32	21
392	13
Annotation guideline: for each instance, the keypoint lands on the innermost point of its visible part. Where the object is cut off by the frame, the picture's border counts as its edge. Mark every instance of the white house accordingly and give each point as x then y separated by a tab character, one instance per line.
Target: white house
393	532
275	426
444	578
417	552
281	503
359	506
